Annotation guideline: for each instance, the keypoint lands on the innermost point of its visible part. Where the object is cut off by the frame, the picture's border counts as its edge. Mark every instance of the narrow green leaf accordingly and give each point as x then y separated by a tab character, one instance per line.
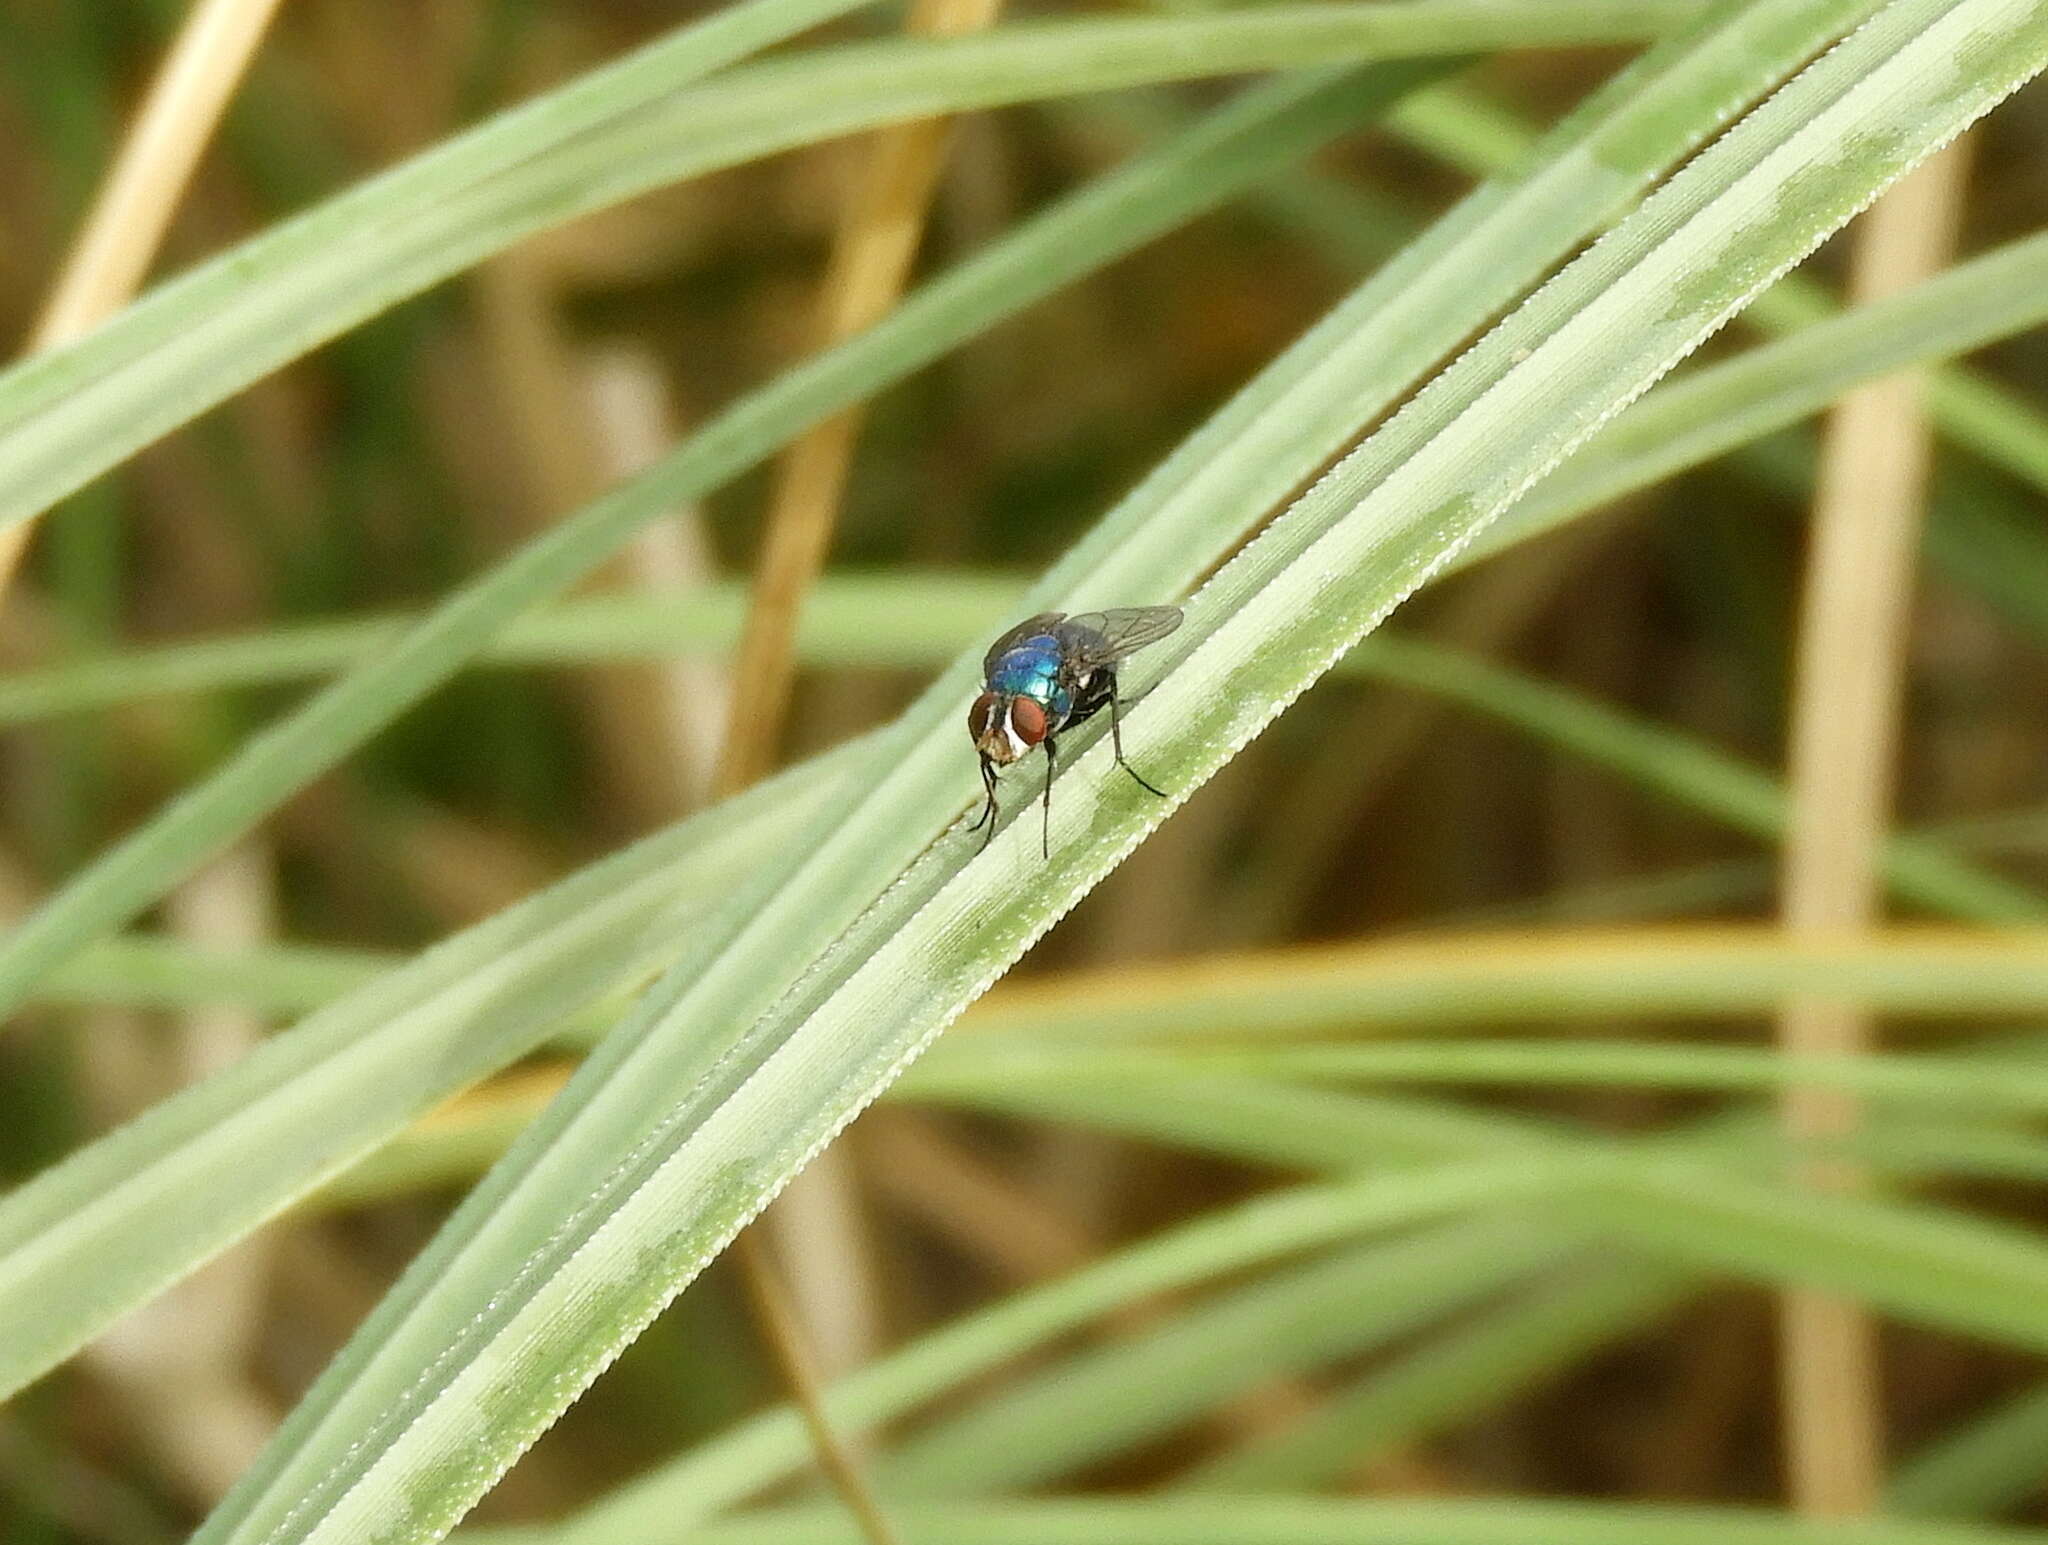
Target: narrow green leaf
1595	1292
1426	1388
1483	137
1208	164
1450	980
1713	410
1930	1264
768	1448
67	416
623	1191
143	971
1995	1462
1211	1520
1486	977
115	1223
1660	758
969	1064
235	1149
1095	1403
1898	1142
194	341
928	614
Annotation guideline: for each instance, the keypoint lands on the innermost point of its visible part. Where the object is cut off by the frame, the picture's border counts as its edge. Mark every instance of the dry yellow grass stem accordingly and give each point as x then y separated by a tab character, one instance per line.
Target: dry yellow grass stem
1851	661
121	235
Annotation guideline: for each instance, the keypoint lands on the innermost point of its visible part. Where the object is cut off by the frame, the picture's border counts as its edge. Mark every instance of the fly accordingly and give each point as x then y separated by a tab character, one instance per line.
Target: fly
1046	674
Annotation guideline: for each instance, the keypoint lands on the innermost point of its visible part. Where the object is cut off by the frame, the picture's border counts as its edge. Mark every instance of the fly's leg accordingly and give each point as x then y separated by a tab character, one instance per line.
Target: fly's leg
1045	823
988	811
1116	740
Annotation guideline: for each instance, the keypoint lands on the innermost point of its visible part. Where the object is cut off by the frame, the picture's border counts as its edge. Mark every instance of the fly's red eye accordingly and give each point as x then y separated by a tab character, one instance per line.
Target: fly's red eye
980	714
1027	720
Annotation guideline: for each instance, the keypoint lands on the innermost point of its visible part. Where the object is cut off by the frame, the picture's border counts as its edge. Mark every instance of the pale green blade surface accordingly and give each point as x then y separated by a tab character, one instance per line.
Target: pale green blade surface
1301	411
1318	1521
625	1189
130	1213
69	415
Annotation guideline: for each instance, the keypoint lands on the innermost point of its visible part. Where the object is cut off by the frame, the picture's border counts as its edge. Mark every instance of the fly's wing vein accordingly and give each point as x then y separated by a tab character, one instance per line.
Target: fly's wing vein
1094	639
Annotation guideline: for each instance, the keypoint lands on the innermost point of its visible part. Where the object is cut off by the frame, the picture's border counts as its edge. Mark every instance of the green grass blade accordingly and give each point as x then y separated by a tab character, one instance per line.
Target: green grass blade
421	1055
1660	758
1482	137
194	341
1319	1521
1427	1388
1092	1404
1471	979
769	1448
1902	1144
1989	539
965	1067
93	1236
1255	1122
1995	1462
1714	410
1449	980
1584	1304
1931	1264
1109	217
70	415
928	615
148	971
1468	1369
624	1190
1302	410
1088	1406
1287	1126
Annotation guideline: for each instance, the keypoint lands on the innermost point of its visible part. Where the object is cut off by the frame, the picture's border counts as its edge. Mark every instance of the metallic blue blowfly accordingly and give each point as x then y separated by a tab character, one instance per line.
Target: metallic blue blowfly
1050	672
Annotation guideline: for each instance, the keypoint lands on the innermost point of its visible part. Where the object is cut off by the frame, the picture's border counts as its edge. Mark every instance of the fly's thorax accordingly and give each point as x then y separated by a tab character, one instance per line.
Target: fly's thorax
1023	665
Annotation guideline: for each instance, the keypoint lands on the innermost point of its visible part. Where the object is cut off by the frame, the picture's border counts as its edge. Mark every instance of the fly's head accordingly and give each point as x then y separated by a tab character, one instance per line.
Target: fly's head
1006	729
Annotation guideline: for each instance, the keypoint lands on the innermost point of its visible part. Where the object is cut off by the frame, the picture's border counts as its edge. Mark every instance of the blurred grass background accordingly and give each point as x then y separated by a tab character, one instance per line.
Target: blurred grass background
374	475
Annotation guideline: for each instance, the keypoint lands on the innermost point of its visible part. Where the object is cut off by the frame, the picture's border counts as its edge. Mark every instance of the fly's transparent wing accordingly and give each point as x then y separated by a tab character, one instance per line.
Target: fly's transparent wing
1091	639
1030	627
